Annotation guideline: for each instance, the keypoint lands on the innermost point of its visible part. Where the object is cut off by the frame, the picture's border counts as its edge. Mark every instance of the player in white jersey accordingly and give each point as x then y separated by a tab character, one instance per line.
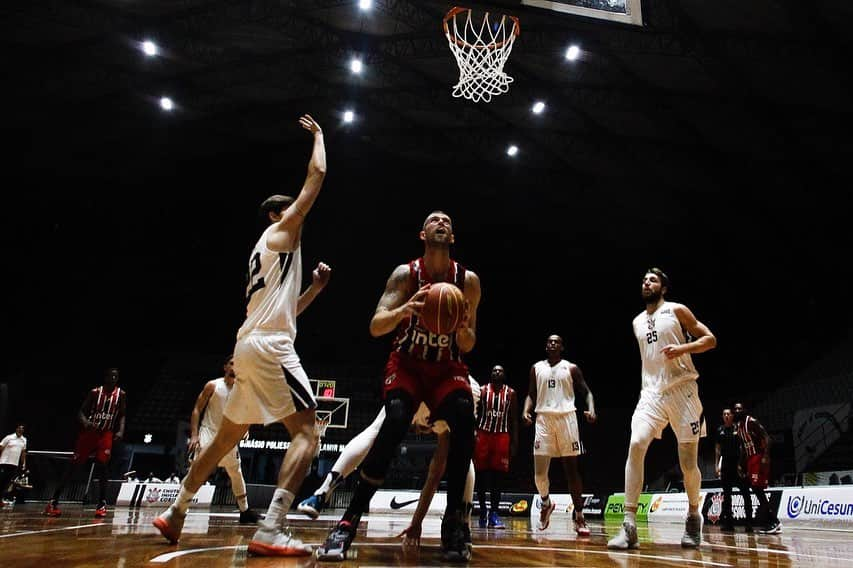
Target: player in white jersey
355	451
13	458
208	410
271	385
669	395
553	382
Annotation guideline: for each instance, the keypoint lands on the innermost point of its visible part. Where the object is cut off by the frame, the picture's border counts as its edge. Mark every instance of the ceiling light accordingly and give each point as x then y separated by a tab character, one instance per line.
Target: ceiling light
538	107
166	103
355	66
149	48
349	116
573	52
512	150
365	4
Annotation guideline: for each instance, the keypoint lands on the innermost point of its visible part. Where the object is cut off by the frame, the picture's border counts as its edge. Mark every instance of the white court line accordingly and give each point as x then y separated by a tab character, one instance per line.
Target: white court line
162	558
52	530
781	552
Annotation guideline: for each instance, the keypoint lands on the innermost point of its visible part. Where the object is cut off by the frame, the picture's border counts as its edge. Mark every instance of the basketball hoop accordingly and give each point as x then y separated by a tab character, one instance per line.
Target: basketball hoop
481	50
320	424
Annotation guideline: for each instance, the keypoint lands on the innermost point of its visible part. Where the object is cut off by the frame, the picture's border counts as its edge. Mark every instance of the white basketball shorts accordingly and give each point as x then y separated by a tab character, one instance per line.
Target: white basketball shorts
557	435
229	460
679	407
271	384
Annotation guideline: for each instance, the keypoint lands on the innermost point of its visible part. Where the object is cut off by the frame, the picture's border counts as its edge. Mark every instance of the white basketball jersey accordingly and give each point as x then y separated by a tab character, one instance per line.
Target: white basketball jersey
654	332
215	405
272	292
555	392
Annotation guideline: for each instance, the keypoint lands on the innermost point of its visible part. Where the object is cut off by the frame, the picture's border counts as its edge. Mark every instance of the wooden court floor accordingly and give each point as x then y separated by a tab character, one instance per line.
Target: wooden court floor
214	538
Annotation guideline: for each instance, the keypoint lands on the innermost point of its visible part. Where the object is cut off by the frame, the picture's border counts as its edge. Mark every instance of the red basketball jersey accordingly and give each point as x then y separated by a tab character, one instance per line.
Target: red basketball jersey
495	408
416	340
749	446
103	413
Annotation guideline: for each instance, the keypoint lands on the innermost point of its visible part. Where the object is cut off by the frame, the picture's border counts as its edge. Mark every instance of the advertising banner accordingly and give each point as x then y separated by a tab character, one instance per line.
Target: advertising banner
615	508
712	507
159	495
832	504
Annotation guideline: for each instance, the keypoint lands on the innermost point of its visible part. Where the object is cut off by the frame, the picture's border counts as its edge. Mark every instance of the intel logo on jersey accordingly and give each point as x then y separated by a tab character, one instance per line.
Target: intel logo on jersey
799	505
430	339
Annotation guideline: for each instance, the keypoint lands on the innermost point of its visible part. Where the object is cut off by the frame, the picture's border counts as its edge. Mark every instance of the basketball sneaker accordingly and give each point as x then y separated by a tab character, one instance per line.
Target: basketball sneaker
313	505
275	541
249	517
626	538
545	514
580	526
338	542
774	527
692	537
101	511
52	509
495	521
170	523
453	545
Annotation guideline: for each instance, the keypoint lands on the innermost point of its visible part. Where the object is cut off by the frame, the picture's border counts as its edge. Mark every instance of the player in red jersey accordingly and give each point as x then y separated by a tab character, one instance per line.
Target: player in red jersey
422	367
497	440
102	420
755	453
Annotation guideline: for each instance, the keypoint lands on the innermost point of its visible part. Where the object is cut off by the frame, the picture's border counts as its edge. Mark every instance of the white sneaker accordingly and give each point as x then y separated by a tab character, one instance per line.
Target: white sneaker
170	524
275	541
627	538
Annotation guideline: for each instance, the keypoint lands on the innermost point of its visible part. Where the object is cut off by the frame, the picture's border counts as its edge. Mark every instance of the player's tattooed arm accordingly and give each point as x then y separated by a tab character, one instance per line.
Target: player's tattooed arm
398	302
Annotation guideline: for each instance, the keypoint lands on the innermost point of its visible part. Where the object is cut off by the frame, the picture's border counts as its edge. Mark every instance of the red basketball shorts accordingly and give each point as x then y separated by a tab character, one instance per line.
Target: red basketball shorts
491	453
425	381
757	472
93	442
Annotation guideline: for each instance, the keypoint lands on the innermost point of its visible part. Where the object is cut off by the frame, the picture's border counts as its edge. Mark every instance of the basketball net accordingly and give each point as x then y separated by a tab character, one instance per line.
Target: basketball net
481	50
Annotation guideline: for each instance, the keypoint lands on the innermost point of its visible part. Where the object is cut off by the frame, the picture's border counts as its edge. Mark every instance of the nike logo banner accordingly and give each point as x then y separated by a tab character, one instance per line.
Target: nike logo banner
400	504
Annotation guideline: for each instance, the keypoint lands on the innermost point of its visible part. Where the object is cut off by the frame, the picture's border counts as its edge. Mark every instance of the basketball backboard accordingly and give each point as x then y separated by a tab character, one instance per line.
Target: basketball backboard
623	11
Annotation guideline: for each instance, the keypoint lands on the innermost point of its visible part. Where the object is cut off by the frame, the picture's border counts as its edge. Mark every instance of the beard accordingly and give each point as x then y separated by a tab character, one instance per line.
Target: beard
651	297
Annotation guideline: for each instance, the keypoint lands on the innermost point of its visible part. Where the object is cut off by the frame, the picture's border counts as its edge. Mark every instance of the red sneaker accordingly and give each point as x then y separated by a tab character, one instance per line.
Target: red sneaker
101	512
52	509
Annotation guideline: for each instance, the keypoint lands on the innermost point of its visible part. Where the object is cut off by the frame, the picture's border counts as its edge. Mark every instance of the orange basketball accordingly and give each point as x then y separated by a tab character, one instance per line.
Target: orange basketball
443	308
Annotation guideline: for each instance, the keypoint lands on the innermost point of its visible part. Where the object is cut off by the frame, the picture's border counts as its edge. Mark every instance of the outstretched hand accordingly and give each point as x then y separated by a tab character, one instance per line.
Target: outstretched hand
411	535
309	124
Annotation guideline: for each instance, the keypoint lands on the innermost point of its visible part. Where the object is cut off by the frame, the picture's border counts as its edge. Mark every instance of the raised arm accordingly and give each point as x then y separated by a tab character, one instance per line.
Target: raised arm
466	333
527	416
704	339
200	404
285	236
319	278
397	302
580	386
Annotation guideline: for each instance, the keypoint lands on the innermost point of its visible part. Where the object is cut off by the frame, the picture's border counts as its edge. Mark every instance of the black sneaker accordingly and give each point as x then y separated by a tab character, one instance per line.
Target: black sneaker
249	517
453	545
338	542
775	527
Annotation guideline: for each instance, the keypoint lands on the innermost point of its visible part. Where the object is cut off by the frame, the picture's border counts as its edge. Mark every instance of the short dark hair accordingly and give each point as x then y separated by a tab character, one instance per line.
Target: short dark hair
274	203
664	279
